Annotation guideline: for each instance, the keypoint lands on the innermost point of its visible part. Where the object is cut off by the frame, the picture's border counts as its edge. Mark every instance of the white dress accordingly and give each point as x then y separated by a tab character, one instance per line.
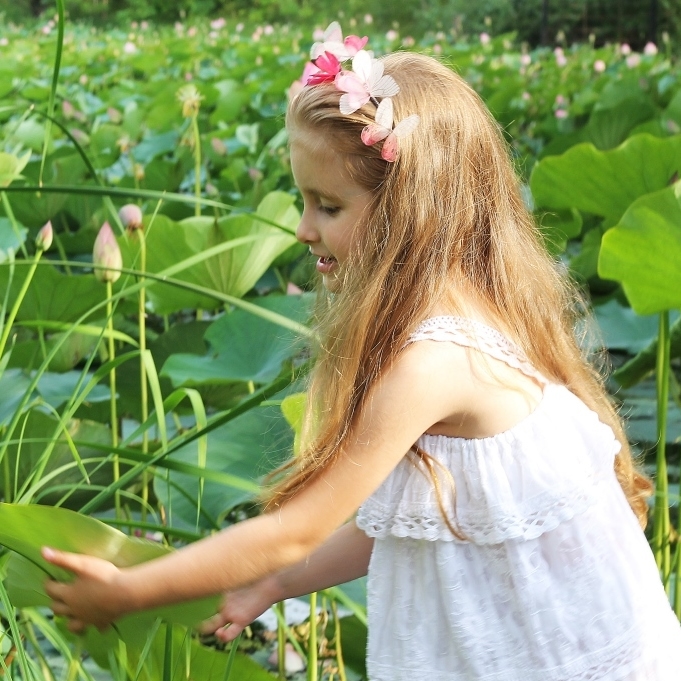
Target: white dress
555	581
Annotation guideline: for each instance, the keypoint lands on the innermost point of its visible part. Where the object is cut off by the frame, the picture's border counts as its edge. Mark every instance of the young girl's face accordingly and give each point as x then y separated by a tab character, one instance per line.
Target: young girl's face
333	204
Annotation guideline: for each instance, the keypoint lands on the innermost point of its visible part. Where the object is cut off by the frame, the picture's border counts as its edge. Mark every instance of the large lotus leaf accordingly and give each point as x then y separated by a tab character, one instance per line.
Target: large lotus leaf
606	182
52	295
25	529
9	239
243	346
37	430
187	658
73	348
622	329
248	447
13	385
643	252
609	125
233	272
239	270
63	168
638	367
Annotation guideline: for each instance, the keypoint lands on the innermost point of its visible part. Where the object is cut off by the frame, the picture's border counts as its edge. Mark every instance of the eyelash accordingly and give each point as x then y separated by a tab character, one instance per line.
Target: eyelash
329	210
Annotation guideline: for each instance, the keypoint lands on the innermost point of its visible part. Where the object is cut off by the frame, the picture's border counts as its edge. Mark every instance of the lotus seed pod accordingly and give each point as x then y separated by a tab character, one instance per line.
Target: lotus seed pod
107	255
43	240
131	216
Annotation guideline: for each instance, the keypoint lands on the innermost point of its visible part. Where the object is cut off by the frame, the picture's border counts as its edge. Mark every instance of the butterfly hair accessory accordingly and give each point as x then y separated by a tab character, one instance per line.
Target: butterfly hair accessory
365	83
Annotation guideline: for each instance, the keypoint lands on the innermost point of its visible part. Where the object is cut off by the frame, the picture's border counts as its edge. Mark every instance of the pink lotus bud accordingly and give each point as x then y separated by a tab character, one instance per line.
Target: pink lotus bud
599	66
625	49
43	240
484	39
650	49
107	254
131	216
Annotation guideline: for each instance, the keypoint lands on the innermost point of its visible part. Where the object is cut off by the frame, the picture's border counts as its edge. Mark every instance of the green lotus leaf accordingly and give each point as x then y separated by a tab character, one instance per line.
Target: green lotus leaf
249	447
11	167
606	183
233	272
25	529
643	252
243	347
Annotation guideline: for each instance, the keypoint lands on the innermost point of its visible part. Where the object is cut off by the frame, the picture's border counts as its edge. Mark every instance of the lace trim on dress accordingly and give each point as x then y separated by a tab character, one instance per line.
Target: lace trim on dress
473	334
532	519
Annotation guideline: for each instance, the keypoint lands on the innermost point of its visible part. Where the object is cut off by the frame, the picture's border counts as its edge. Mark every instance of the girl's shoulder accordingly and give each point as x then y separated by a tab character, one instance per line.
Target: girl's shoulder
490	375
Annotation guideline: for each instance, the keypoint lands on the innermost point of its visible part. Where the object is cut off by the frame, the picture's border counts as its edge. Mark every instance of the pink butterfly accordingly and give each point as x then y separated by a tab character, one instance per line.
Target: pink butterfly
383	129
333	42
327	68
366	80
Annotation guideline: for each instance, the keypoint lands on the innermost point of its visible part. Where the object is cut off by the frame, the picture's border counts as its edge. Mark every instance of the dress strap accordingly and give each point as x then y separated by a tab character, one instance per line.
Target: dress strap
474	334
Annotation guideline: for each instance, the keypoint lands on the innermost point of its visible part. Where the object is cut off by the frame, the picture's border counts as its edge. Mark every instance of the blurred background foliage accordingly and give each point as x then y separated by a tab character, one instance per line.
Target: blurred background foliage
535	21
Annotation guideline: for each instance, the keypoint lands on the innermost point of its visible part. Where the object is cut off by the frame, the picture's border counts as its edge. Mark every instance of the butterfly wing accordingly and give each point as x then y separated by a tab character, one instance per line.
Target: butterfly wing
402	129
405	127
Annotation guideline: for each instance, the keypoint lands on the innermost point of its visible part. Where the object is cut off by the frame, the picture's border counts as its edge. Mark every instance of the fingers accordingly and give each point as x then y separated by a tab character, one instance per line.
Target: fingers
69	561
229	632
215	622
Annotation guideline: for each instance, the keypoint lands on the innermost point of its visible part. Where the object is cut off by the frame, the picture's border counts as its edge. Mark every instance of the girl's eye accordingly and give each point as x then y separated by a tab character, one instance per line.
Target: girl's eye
329	210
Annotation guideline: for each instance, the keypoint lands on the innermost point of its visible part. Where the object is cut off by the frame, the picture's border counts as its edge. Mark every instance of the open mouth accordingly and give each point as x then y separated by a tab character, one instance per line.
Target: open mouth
326	264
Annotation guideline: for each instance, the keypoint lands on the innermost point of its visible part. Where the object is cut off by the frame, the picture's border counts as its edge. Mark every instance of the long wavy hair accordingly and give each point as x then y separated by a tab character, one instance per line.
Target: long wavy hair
448	210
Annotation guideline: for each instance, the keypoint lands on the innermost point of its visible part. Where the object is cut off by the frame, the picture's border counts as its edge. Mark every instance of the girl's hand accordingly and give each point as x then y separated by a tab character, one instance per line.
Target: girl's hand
239	608
96	595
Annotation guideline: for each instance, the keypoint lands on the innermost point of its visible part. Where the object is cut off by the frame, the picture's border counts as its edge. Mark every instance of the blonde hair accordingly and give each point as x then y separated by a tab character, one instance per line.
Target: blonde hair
449	210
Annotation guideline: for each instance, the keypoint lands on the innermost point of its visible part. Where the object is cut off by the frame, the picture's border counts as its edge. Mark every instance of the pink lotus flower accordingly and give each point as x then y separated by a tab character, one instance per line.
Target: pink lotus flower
625	49
599	66
269	29
391	35
561	113
633	60
368	19
561	60
144	25
129	48
484	39
107	255
43	239
525	59
131	216
328	67
650	49
218	24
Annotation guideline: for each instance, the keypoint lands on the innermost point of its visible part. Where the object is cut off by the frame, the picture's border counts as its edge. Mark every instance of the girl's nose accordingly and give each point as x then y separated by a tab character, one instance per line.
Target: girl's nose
305	232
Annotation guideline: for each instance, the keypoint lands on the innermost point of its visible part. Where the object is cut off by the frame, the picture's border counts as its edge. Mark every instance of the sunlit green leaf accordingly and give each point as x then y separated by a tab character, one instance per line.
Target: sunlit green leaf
644	252
606	182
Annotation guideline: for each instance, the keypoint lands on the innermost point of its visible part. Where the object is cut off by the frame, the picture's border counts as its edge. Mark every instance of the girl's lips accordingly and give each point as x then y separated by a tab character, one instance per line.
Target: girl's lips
326	265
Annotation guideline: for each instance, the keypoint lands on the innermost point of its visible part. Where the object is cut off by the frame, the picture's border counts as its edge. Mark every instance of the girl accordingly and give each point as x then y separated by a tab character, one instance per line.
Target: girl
499	508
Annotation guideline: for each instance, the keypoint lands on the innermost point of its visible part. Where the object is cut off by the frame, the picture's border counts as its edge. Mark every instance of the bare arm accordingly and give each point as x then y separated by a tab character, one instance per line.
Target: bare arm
342	558
410	397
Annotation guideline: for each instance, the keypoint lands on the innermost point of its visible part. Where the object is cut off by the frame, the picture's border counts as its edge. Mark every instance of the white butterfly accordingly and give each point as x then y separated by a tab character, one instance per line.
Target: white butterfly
366	80
383	129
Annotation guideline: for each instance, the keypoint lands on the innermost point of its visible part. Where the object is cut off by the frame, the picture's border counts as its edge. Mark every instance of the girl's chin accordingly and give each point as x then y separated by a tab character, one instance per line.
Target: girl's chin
331	282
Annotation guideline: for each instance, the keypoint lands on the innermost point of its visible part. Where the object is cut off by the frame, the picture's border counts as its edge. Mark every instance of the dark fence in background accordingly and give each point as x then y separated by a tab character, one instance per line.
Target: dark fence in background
535	21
